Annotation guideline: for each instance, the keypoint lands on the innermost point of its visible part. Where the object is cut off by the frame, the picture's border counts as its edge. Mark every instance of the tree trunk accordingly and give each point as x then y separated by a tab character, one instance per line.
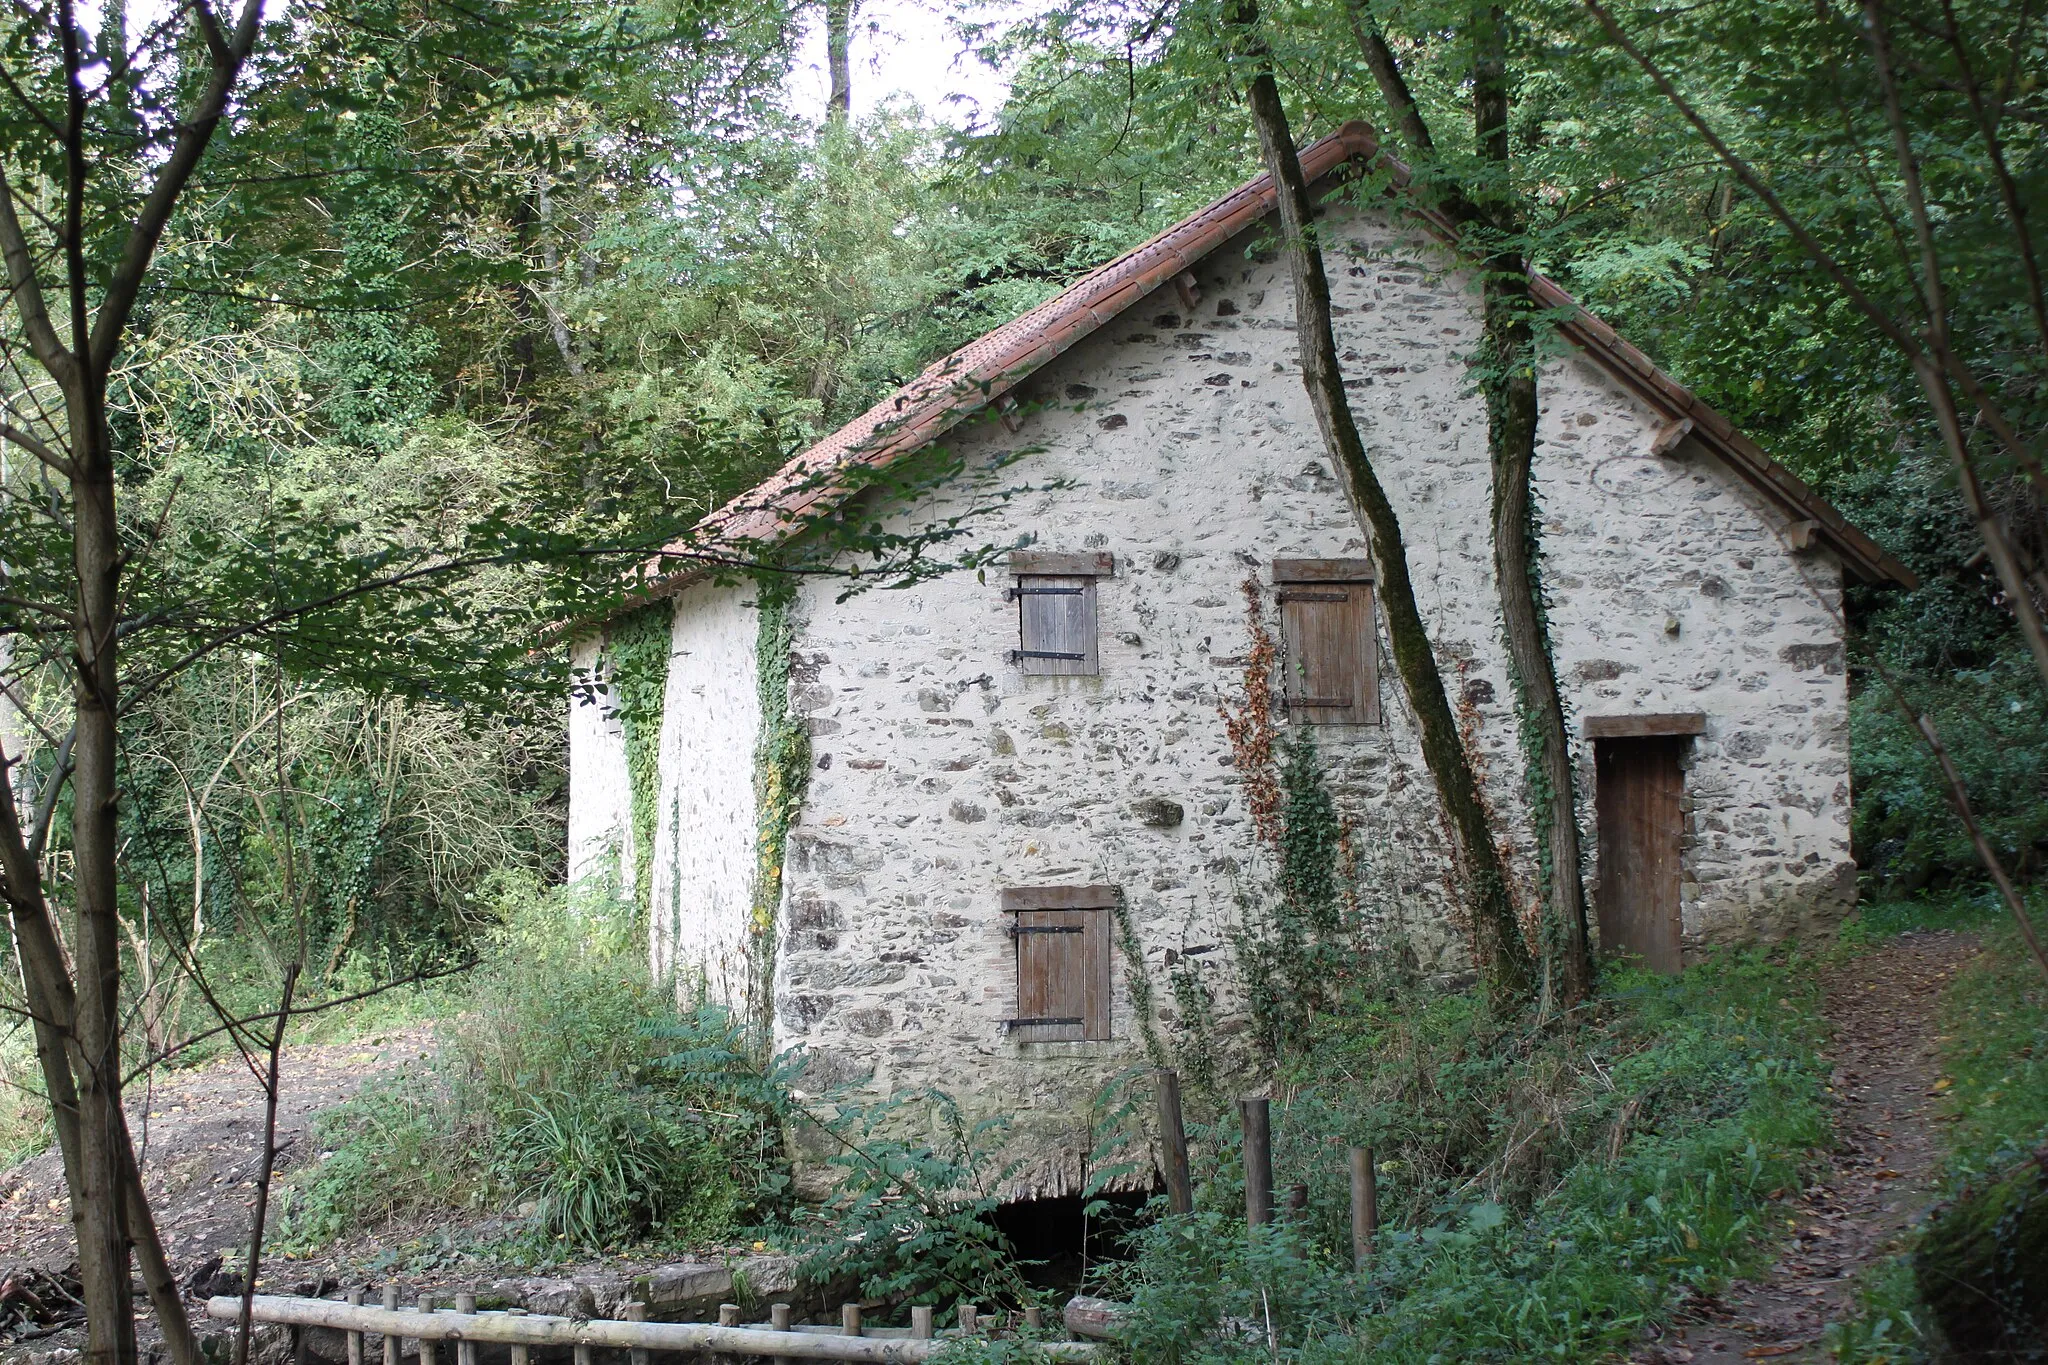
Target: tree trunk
1503	957
1508	379
838	39
98	1206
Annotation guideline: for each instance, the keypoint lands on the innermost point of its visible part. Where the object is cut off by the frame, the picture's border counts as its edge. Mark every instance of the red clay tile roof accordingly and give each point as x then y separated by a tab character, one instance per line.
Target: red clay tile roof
984	370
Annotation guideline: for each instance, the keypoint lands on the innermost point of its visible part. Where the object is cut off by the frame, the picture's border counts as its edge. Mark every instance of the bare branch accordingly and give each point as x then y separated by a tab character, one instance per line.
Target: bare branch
17	436
1941	357
425	974
2008	188
46	806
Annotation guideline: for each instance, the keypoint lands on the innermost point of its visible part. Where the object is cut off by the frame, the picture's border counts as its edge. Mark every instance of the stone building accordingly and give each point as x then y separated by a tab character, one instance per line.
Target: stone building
1008	770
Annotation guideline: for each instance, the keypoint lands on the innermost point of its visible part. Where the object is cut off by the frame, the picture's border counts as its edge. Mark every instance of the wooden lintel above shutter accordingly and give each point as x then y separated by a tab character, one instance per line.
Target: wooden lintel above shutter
1322	571
1637	727
1058	897
1090	564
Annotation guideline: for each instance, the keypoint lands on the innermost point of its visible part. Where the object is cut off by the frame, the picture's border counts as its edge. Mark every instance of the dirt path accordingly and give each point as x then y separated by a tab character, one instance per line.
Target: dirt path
201	1133
1883	1007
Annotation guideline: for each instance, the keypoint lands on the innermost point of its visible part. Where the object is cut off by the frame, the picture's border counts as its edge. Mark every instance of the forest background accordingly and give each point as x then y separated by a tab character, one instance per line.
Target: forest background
543	283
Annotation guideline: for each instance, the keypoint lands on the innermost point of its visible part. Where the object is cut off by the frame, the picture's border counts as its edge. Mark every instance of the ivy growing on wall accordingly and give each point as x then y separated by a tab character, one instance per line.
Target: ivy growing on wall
1293	951
638	651
782	773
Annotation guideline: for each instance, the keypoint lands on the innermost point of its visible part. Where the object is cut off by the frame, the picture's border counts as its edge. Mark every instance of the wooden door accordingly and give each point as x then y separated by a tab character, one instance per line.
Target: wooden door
1639	791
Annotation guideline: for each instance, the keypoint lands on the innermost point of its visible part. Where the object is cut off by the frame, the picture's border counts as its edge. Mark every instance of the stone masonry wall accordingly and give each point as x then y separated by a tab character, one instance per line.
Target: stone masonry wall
943	774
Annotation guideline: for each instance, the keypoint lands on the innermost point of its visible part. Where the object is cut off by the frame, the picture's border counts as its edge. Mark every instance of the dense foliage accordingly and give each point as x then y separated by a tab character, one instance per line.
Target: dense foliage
569	1088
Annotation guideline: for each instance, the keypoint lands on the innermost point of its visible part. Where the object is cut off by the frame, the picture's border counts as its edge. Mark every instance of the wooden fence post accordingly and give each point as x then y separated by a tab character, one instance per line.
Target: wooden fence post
355	1339
1173	1146
465	1350
427	1346
636	1311
921	1322
1365	1206
1258	1161
967	1319
779	1315
393	1347
521	1354
849	1319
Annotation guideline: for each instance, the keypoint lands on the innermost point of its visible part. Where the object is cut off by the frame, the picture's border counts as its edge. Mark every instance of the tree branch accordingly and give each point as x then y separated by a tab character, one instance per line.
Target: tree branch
155	214
2008	189
27	291
16	436
1942	358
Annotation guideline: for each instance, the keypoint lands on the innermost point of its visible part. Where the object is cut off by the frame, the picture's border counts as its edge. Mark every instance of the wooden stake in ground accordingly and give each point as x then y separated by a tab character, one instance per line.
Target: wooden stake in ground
1258	1161
1503	957
1173	1146
1365	1206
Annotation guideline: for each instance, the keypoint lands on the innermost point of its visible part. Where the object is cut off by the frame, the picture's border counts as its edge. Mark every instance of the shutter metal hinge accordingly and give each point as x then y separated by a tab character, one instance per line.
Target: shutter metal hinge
1016	929
1012	594
1019	655
1029	1023
1315	597
1320	701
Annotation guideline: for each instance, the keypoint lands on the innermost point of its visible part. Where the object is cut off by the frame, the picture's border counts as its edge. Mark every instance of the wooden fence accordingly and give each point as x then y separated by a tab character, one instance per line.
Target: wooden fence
778	1338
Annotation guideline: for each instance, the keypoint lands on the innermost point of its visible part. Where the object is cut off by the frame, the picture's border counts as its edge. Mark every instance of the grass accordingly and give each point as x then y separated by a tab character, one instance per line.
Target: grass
570	1102
1549	1191
1994	1055
24	1117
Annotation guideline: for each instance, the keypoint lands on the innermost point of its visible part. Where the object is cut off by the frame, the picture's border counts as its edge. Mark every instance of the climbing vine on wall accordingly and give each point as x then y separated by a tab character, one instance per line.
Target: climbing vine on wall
638	651
782	772
1294	946
1294	951
1250	725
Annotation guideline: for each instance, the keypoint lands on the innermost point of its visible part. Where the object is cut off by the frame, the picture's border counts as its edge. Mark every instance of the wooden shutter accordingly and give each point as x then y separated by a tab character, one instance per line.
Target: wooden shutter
1331	657
1062	935
1056	611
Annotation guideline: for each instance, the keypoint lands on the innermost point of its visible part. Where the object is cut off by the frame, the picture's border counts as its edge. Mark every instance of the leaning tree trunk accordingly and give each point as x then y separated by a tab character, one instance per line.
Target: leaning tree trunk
1503	956
1508	379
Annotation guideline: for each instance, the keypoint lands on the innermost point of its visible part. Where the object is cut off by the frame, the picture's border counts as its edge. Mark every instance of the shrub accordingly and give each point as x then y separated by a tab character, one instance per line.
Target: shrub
912	1217
1992	721
570	1087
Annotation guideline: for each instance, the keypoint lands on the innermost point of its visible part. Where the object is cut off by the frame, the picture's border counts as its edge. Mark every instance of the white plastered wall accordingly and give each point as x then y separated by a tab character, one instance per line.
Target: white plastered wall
706	825
600	792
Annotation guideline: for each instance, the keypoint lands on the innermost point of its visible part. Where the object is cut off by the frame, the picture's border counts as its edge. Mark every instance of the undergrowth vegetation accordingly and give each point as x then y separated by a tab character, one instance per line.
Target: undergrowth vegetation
569	1090
574	1106
1543	1192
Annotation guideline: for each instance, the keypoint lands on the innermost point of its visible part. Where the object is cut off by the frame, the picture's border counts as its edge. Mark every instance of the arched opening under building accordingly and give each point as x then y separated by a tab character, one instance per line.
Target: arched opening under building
1060	1239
